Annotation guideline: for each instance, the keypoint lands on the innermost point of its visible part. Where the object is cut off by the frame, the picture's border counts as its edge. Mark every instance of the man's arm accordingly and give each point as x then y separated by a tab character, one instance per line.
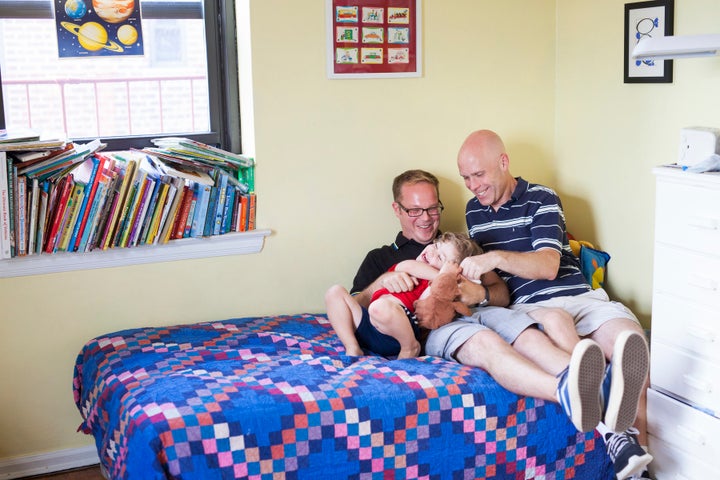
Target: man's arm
392	281
472	293
538	264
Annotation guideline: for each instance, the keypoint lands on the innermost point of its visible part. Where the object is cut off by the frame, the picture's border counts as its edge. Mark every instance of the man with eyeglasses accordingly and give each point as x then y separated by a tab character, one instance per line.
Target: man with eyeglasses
467	340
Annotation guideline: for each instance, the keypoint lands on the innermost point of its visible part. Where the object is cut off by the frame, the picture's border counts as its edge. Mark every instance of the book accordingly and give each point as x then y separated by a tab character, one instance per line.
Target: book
119	204
10	136
183	213
130	209
170	212
142	210
34	205
63	194
201	211
228	209
150	213
191	212
71	216
42	216
242	213
93	216
252	206
220	207
151	231
12	189
21	216
4	209
86	173
210	220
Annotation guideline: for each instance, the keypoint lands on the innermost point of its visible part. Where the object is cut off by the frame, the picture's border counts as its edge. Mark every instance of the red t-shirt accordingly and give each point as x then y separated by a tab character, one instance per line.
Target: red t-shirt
407	298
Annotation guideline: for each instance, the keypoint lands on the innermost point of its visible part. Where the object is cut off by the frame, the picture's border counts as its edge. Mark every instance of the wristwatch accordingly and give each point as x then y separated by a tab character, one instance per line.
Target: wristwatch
485	300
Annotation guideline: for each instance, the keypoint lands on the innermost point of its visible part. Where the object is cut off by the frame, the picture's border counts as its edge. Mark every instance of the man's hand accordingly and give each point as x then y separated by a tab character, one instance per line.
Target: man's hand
396	282
474	267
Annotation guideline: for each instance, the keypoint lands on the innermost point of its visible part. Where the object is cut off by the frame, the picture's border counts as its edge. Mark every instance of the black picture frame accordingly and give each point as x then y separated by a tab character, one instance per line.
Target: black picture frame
647	18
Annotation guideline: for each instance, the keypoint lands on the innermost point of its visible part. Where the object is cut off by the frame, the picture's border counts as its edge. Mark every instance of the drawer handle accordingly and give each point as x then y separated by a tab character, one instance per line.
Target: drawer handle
690	435
701	334
703	282
697	384
703	222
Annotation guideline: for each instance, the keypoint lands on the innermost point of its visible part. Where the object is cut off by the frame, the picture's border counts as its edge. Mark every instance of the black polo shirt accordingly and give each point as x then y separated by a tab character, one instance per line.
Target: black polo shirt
378	261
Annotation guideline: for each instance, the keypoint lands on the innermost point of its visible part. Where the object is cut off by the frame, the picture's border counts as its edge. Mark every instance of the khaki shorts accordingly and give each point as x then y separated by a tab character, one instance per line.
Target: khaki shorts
446	340
590	310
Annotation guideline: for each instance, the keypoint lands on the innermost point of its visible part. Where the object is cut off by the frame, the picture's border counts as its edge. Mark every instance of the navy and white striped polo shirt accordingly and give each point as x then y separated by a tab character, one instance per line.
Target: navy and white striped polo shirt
532	219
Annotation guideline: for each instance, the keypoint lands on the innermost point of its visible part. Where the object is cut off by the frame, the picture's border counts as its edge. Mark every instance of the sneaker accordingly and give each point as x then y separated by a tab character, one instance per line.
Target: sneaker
628	457
624	381
640	476
579	385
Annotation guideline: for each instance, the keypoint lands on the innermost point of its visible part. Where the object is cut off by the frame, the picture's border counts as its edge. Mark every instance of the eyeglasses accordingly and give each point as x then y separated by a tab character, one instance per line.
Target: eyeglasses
417	212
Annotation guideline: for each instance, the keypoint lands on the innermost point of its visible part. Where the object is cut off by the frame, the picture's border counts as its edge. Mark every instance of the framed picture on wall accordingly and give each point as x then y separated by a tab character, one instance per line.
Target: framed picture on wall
647	19
373	38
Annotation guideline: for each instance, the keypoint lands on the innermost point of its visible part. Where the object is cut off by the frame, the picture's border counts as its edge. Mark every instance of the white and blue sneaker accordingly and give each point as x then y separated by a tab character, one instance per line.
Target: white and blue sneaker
579	385
625	378
628	457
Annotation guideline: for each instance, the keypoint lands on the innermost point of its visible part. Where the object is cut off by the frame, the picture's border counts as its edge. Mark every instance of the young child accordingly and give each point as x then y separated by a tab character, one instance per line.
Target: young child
388	326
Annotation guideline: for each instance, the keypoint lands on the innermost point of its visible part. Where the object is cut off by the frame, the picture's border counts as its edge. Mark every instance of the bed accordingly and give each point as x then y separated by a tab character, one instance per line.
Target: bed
274	397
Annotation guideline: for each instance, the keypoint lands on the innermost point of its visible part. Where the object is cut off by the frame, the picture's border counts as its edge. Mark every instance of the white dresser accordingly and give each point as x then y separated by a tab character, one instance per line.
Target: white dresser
684	400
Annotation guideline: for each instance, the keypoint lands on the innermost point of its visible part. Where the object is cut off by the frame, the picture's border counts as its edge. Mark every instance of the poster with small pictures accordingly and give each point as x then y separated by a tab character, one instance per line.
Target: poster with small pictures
373	38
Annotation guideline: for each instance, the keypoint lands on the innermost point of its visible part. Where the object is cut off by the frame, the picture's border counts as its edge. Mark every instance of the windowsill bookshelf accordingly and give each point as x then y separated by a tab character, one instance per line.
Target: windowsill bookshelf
181	249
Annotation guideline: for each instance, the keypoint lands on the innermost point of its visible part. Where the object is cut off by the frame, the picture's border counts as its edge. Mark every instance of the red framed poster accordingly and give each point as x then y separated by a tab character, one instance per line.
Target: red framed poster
373	38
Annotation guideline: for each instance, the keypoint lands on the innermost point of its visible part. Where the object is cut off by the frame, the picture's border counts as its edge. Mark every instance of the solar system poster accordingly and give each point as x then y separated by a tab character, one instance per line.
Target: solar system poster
91	28
373	38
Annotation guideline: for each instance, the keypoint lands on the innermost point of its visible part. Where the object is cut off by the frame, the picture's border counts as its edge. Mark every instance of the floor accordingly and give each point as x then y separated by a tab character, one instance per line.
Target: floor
86	473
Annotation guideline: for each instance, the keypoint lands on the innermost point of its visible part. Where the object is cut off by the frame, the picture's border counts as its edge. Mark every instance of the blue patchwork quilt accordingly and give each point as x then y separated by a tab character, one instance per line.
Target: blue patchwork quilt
276	398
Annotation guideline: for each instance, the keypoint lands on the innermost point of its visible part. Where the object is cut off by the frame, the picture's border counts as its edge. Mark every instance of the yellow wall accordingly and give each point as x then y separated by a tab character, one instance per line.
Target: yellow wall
328	149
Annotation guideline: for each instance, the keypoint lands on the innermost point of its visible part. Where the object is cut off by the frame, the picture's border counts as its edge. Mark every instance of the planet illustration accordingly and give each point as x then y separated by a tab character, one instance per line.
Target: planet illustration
75	9
127	34
92	36
114	11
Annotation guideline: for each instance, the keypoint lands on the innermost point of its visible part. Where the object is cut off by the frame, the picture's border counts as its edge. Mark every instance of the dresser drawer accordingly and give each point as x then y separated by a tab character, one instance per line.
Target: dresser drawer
681	439
686	376
688	216
686	274
686	325
670	464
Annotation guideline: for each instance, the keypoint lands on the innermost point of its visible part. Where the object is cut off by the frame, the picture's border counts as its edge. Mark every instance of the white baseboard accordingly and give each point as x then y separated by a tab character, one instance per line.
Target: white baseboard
44	463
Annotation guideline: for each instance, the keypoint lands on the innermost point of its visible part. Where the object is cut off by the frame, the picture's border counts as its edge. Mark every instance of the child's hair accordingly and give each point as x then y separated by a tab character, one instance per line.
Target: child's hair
465	246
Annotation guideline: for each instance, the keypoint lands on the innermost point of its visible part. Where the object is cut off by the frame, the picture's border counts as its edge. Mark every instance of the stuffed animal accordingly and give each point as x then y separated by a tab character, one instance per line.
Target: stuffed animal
440	306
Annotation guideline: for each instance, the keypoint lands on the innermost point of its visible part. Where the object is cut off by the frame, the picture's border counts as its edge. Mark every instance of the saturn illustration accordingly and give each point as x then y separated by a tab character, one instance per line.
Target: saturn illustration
92	36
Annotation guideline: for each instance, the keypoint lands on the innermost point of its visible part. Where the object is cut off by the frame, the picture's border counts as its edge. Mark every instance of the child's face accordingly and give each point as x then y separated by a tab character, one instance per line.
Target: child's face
436	254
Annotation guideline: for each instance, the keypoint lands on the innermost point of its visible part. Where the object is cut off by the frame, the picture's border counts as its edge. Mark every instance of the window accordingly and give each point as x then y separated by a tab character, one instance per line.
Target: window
184	84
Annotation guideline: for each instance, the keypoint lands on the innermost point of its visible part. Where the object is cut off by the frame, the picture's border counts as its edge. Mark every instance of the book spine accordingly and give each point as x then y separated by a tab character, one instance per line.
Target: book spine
4	209
60	205
42	217
33	215
150	214
141	212
191	213
242	220
228	209
184	212
95	175
154	225
168	217
73	211
220	207
210	220
94	225
201	211
20	216
252	204
12	189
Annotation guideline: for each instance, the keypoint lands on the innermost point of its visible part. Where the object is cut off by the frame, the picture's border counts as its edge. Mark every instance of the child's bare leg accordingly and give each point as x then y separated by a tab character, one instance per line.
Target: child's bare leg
558	325
388	316
344	314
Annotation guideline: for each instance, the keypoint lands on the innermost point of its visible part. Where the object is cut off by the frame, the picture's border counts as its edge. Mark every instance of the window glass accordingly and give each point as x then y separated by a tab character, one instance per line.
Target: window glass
166	91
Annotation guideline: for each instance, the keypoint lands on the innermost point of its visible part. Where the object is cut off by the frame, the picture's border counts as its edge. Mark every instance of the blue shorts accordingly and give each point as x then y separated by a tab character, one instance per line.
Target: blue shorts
370	338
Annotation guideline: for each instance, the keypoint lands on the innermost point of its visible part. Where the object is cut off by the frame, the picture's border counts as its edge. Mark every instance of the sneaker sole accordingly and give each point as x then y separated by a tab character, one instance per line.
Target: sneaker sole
629	373
635	465
585	373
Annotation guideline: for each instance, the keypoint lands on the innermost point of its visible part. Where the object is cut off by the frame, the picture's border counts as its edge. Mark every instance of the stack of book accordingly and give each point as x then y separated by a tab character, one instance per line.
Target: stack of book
77	198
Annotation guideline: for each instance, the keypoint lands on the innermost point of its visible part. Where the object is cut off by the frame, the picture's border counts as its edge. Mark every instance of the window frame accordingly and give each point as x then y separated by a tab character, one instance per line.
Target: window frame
222	64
